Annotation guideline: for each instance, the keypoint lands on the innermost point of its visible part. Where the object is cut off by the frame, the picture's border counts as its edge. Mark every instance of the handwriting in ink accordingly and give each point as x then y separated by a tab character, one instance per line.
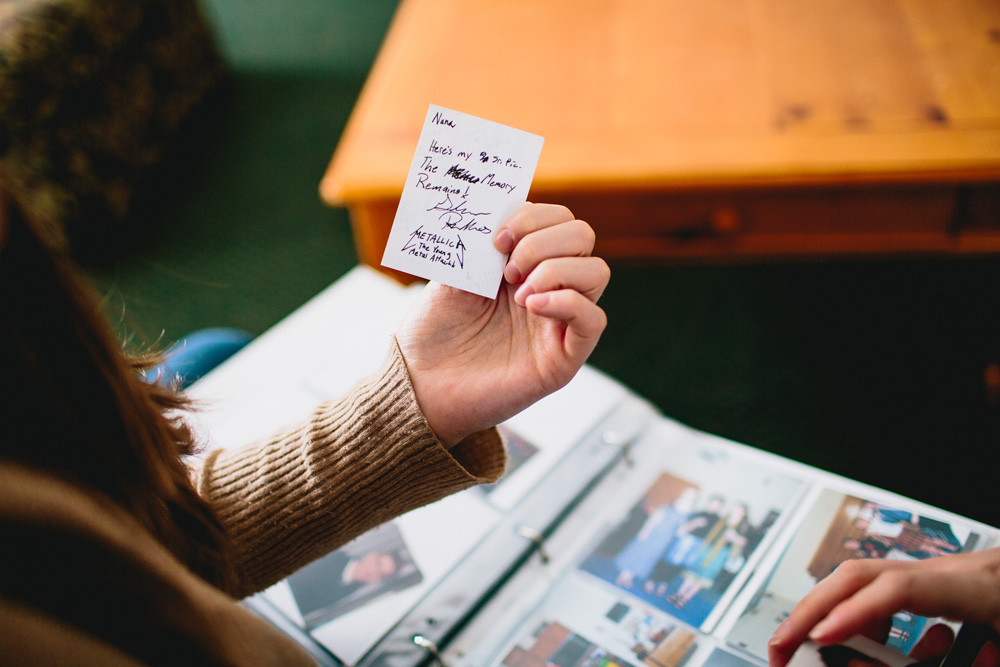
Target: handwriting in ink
438	248
439	119
424	182
486	158
461	174
439	149
492	182
456	216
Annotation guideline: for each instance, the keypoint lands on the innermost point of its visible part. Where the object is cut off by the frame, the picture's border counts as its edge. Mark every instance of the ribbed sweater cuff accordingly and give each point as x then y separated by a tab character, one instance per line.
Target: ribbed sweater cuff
354	464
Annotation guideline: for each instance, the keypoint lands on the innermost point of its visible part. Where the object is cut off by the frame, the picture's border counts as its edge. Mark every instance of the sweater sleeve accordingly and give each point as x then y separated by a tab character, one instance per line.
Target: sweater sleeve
354	464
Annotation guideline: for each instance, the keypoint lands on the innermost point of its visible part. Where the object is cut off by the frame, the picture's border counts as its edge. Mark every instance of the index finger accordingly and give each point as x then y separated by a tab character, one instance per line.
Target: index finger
529	218
850	577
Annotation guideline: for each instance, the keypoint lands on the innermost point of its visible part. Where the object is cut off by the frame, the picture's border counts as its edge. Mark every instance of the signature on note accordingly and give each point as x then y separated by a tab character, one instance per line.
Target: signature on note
456	215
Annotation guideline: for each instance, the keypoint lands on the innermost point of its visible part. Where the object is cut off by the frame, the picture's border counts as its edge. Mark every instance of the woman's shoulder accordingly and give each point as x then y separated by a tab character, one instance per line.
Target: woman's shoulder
89	576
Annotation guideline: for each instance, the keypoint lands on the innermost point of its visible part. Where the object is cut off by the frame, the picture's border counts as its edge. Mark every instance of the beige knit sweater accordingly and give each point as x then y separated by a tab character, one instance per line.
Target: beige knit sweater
88	585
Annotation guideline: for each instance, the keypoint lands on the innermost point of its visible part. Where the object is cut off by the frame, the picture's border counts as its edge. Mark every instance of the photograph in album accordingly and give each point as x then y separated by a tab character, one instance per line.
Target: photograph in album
371	566
519	451
582	623
685	541
721	658
838	527
555	644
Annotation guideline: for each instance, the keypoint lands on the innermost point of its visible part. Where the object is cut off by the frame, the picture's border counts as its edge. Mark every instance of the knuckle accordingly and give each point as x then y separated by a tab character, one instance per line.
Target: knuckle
585	233
563	212
602	320
899	585
523	221
854	571
544	275
527	254
604	271
899	580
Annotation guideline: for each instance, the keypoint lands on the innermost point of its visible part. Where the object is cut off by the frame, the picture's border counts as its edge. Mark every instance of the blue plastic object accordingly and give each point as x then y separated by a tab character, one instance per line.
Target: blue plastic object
196	354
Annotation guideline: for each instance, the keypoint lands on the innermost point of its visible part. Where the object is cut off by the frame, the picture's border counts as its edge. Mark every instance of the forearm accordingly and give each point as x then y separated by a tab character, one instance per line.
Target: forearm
353	465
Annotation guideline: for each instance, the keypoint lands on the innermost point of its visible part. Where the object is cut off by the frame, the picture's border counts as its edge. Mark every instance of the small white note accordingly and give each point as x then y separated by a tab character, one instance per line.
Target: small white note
467	177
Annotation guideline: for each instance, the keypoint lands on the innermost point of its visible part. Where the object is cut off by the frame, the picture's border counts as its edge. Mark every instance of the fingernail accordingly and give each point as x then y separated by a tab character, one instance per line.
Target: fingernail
540	300
778	636
522	294
504	241
818	634
512	273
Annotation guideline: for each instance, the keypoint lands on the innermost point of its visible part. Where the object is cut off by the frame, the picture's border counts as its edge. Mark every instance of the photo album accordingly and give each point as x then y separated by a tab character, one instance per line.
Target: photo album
692	551
617	537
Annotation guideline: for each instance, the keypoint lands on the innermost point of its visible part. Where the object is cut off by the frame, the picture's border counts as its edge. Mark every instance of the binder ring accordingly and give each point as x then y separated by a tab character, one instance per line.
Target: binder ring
625	444
530	533
431	647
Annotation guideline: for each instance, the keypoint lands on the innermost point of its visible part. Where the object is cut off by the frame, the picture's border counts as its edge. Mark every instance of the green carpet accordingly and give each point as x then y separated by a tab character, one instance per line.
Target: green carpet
238	236
872	369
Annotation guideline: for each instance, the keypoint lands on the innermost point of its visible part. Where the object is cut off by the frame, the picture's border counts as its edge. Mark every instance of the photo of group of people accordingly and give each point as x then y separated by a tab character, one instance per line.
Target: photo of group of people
371	566
839	527
680	547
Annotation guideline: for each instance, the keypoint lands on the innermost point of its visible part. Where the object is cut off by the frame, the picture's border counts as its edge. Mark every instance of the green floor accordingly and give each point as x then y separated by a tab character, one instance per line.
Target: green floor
872	369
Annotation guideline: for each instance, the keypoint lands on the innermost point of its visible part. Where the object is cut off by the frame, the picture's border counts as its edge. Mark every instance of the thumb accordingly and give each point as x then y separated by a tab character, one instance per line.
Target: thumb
584	320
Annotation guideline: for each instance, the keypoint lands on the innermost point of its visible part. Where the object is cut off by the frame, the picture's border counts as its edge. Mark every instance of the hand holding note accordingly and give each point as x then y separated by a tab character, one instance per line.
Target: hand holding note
476	361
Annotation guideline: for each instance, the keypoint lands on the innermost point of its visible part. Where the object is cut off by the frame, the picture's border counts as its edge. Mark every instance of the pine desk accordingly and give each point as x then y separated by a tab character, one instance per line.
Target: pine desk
708	128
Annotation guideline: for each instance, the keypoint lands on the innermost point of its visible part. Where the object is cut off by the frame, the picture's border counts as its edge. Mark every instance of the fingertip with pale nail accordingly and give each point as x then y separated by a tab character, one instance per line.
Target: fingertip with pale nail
511	273
821	633
536	301
504	241
522	294
780	635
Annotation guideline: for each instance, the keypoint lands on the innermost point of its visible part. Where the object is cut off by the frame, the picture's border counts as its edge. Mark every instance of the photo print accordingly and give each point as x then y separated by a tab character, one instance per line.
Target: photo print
519	451
688	538
373	565
839	527
721	658
653	639
615	628
555	645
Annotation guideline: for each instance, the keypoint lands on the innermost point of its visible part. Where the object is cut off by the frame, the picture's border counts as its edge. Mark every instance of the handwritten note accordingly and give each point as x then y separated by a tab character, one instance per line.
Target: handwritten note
468	175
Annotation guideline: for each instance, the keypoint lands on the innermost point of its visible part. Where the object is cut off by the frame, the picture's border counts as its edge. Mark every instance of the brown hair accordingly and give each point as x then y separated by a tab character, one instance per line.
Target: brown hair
77	407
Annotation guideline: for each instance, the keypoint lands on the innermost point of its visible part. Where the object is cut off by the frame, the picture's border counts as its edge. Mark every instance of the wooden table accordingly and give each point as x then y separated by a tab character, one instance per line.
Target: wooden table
706	128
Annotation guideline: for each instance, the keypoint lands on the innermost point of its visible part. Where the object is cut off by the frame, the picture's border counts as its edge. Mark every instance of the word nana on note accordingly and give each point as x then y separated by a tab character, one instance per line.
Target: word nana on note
439	119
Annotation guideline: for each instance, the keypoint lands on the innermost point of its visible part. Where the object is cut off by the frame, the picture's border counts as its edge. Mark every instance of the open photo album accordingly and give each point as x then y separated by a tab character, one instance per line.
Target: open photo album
618	536
692	553
677	549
